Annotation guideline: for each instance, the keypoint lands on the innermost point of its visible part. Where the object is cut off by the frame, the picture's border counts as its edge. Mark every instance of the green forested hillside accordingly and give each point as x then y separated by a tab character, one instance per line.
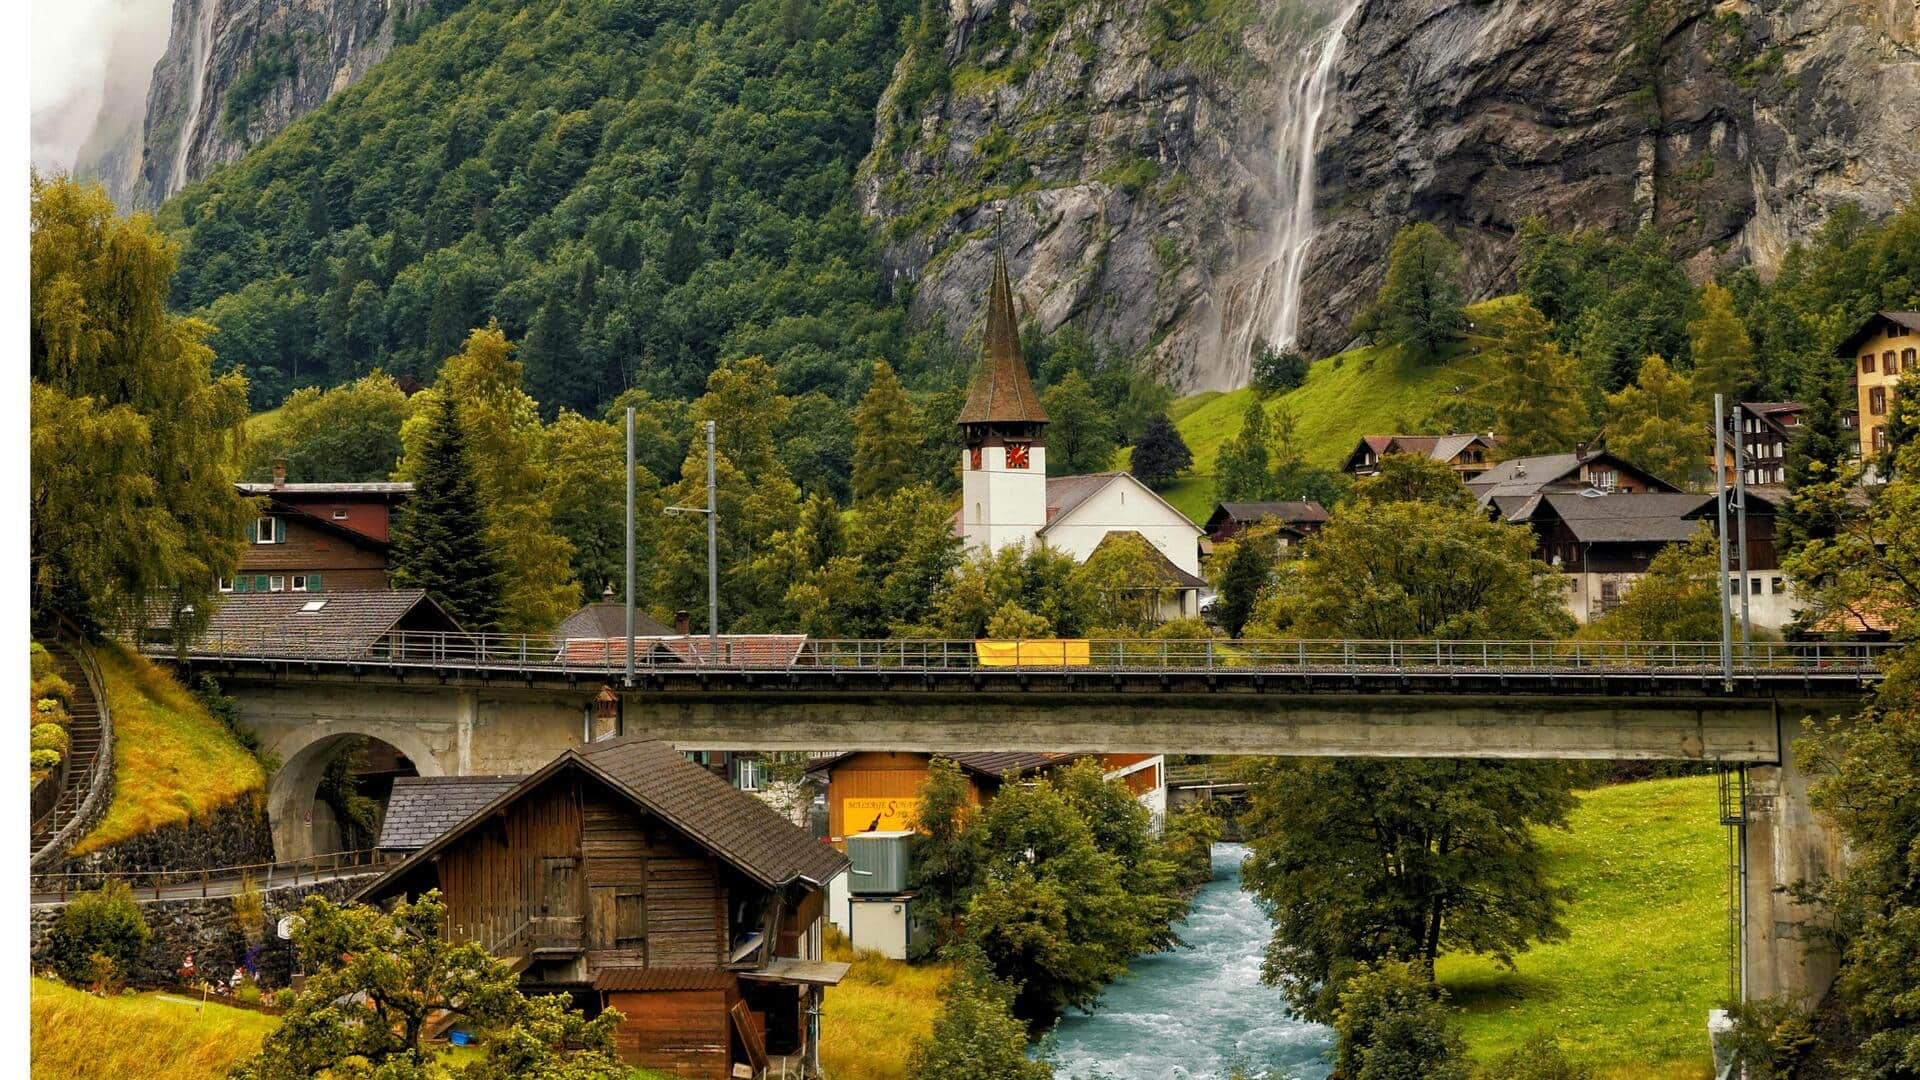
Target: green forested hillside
637	189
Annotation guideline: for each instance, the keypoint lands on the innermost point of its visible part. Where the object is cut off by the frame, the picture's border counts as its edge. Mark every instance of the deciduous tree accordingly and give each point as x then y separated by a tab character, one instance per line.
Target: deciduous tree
1081	434
1393	1025
135	445
1413	478
1421	306
975	1035
348	433
1678	599
1243	470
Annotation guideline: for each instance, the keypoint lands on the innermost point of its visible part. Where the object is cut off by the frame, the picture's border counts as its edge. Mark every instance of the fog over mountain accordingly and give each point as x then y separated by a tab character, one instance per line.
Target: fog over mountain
92	61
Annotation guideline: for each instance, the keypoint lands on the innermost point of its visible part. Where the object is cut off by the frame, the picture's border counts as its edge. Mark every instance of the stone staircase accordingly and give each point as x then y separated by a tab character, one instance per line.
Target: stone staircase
87	734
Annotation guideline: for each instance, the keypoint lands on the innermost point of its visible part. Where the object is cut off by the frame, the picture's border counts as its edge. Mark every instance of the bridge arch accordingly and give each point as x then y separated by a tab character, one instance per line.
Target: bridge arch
298	830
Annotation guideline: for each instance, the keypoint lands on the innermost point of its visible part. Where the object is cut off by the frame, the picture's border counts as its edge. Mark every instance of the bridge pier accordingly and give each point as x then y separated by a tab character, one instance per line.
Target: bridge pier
1786	843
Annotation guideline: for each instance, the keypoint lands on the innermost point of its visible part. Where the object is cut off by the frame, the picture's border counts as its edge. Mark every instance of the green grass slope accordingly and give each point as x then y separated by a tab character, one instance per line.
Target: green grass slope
1630	989
172	760
1372	390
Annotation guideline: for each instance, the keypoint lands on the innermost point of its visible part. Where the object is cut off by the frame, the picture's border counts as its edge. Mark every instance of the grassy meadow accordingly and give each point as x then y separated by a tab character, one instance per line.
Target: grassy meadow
172	760
1630	989
869	1023
156	1036
1371	390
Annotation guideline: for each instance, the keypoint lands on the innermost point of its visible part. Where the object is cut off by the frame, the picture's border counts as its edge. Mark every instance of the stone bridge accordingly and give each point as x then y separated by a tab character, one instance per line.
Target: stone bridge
463	716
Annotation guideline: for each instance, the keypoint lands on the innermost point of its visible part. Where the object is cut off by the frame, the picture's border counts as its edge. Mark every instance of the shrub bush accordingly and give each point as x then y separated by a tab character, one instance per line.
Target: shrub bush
50	737
43	760
107	923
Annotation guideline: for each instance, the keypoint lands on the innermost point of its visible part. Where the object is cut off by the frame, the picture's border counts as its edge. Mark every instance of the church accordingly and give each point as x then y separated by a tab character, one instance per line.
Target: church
1008	498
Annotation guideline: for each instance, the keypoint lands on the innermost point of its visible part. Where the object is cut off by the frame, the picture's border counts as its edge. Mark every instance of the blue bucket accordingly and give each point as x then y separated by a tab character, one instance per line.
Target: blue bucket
459	1038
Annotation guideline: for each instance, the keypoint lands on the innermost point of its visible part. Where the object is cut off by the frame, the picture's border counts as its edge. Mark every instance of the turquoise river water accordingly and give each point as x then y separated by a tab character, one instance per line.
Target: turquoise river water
1198	1013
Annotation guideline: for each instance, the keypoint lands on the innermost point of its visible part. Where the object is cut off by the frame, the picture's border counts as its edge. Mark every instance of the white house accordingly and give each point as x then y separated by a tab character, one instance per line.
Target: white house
1007	497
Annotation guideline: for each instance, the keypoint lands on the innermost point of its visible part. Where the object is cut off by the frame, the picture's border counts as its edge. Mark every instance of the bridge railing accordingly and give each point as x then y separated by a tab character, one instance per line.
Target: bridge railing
780	653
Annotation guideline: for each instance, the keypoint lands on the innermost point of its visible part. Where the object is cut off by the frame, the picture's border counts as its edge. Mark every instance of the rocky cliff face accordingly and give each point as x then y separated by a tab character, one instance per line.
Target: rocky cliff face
1117	150
1133	149
234	72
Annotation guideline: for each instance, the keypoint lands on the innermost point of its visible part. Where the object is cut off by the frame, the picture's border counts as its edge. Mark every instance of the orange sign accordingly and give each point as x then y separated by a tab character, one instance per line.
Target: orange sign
879	815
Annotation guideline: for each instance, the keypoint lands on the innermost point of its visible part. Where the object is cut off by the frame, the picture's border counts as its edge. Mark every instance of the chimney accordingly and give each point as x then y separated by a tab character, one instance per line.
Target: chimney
606	595
682	623
279	472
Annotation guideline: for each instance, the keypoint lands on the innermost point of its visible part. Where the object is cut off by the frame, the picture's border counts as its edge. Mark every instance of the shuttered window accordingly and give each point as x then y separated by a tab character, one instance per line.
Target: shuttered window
629	919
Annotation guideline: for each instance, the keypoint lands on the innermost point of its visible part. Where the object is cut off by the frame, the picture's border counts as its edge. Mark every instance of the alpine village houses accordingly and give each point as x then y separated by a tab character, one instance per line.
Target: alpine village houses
625	876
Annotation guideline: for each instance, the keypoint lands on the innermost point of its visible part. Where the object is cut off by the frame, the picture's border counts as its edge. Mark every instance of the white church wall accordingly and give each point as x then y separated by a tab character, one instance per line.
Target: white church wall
1127	504
1002	506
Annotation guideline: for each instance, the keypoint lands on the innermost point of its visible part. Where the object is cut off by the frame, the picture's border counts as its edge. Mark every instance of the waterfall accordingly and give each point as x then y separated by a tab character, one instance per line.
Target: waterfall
201	47
1270	310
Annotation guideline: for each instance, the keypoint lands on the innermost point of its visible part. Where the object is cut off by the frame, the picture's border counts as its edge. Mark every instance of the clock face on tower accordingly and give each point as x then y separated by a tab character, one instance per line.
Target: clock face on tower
1016	455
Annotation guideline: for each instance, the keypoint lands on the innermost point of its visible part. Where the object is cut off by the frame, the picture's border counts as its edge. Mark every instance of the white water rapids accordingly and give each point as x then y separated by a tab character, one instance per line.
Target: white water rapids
1270	311
1198	1013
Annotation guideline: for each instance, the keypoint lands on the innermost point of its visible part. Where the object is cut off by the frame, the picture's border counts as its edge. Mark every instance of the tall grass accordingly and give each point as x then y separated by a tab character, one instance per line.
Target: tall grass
77	1036
172	760
871	1021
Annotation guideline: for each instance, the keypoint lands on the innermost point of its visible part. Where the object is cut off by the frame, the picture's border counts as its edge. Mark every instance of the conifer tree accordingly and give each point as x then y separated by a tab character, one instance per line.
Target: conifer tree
1243	471
1815	456
1722	352
1659	425
1160	455
886	438
440	542
1537	390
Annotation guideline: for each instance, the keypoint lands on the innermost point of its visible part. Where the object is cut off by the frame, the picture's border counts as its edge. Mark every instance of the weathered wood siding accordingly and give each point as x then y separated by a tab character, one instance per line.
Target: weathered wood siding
520	866
655	899
682	1032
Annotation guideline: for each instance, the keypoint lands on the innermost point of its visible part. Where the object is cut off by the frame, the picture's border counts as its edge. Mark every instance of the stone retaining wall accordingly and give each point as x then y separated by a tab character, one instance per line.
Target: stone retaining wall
207	929
236	834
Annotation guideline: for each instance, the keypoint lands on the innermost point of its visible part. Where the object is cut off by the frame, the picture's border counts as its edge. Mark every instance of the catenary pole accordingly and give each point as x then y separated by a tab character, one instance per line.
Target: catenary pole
713	553
1720	500
629	589
1738	435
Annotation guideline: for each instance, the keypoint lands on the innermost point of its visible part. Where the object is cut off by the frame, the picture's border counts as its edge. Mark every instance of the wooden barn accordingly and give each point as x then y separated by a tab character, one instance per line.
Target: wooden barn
631	878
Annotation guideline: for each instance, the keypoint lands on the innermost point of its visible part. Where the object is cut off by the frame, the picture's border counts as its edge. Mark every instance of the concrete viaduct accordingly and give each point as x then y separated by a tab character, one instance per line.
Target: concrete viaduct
476	716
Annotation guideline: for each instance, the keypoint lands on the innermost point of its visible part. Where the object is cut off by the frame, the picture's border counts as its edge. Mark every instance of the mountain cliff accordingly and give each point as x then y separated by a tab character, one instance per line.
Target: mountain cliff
1145	154
638	199
234	73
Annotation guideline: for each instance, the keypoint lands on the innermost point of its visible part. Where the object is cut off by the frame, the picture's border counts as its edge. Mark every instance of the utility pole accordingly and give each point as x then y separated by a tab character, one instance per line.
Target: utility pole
629	545
1720	500
712	510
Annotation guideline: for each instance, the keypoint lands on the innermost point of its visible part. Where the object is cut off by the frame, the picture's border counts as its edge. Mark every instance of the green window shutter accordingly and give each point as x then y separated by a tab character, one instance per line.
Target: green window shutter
260	583
279	530
253	531
313	582
241	584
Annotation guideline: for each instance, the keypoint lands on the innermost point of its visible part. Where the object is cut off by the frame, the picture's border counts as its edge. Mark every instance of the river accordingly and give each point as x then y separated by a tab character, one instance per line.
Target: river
1198	1013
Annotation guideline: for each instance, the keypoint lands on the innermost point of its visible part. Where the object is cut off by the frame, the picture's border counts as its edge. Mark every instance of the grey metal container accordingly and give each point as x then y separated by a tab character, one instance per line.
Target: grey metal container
882	862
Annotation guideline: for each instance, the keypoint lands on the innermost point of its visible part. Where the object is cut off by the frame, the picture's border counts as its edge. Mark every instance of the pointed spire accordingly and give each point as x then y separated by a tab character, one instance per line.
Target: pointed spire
1002	391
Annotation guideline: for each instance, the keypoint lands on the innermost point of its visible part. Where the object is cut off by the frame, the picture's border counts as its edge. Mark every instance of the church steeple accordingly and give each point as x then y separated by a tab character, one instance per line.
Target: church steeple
1002	391
1004	466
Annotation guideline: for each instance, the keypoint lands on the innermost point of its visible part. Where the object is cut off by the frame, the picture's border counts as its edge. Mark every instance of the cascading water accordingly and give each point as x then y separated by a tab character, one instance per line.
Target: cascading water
201	50
1269	312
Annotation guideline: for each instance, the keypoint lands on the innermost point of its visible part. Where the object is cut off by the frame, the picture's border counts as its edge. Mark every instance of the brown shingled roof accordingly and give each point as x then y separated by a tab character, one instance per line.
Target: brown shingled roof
319	625
421	808
732	824
1002	391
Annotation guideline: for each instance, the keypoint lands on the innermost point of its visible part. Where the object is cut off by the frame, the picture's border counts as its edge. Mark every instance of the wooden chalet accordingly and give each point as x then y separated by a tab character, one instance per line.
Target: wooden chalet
1512	482
311	538
1466	453
631	878
1296	519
